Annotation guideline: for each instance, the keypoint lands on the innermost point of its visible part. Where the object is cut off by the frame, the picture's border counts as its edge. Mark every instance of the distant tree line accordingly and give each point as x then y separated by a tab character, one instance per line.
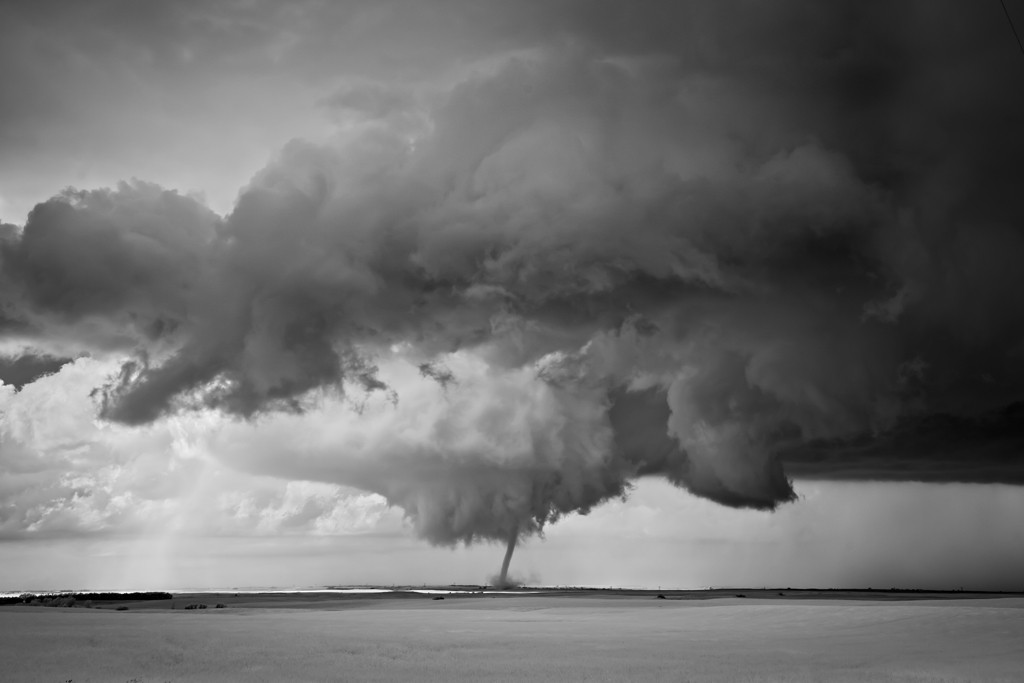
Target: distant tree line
71	599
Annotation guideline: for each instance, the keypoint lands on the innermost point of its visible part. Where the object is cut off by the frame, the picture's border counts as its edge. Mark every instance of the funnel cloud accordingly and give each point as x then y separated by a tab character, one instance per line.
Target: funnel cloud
509	549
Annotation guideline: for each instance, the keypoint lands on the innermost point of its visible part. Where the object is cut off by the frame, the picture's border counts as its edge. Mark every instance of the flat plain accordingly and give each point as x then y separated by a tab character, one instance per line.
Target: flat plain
541	636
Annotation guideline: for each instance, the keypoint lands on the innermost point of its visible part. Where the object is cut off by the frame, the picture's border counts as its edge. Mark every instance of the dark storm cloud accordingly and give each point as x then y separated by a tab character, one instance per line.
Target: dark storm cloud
136	250
695	240
25	369
983	448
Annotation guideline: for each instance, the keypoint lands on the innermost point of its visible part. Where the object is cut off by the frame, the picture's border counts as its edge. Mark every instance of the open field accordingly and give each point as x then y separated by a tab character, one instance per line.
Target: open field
561	636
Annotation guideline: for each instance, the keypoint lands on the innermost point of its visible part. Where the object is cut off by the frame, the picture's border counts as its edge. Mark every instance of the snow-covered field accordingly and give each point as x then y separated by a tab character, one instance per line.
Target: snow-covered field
531	638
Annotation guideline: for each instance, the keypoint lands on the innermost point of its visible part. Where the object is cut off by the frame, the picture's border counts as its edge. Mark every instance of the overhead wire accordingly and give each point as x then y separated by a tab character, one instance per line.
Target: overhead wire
1012	27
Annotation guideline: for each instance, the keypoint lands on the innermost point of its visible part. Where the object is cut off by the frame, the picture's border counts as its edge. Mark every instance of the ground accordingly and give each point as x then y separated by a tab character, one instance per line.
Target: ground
584	636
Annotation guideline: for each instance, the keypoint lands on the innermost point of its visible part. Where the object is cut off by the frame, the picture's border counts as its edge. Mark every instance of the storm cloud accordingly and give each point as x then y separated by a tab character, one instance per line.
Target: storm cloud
722	243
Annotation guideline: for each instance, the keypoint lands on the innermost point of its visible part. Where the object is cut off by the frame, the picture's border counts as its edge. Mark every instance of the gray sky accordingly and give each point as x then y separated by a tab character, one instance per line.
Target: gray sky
691	293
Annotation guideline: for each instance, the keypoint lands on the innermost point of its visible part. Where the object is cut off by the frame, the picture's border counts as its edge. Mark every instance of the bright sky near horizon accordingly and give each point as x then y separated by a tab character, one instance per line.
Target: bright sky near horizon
676	293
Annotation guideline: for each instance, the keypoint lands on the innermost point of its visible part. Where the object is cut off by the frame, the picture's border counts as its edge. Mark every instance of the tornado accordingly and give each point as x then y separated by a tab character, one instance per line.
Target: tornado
503	577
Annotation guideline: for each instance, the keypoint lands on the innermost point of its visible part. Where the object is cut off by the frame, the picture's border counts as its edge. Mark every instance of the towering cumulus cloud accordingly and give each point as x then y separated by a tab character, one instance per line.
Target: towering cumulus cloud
697	241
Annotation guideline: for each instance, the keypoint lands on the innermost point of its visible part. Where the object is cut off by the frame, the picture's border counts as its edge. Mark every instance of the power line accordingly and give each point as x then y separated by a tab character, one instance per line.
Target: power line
1012	27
